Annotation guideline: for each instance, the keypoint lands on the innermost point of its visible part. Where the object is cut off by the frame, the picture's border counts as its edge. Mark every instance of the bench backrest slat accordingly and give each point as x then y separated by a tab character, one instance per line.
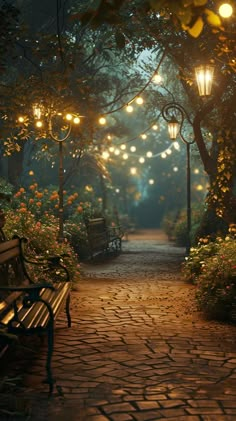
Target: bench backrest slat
9	250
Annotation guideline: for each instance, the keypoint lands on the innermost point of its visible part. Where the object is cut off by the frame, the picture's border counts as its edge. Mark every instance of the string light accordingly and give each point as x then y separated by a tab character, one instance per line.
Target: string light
225	10
129	109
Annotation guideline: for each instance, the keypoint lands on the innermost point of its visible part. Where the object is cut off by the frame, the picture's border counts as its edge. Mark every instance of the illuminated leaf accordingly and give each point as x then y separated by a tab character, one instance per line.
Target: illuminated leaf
197	28
212	18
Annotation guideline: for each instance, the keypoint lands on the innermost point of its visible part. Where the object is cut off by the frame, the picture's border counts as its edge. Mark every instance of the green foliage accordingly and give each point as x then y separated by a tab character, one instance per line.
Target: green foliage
212	267
42	238
175	225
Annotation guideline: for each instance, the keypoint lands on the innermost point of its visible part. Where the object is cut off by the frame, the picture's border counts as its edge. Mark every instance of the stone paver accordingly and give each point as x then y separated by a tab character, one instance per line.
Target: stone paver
138	348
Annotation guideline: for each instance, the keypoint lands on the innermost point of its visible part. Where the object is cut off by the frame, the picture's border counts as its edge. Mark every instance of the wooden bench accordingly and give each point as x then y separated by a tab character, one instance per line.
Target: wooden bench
101	237
27	307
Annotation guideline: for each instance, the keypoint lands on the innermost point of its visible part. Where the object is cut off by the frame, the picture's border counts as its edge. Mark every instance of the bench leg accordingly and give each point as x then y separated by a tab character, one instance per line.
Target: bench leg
68	311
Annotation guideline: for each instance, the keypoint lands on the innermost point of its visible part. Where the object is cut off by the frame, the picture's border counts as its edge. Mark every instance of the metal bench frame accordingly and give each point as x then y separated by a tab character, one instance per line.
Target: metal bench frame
101	237
28	307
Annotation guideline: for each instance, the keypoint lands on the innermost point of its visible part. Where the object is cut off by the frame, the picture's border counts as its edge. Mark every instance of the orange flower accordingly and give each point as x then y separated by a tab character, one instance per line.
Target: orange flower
31	201
23	205
22	210
22	190
80	209
69	202
32	187
56	206
17	194
38	204
38	194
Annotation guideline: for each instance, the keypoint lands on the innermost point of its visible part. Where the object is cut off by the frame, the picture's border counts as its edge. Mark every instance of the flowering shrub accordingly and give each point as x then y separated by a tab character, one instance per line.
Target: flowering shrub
212	267
42	236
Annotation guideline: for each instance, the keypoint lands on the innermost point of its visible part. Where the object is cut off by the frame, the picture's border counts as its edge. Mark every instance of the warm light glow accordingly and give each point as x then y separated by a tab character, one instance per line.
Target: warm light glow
109	136
37	112
144	136
125	156
151	181
225	10
111	149
117	190
141	160
163	155
176	146
196	171
102	121
133	170
117	152
199	187
129	109
133	149
155	126
157	78
69	117
105	155
169	151
175	169
76	120
204	77
139	100
123	147
149	154
21	119
39	124
173	128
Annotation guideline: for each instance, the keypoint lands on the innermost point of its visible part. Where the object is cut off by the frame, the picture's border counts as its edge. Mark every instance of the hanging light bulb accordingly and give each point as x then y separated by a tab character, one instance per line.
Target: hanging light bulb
149	154
125	156
139	100
102	121
129	109
123	147
151	181
144	136
157	78
141	160
155	126
133	149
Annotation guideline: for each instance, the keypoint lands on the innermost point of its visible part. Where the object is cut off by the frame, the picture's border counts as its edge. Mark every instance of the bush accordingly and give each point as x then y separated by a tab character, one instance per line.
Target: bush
212	267
42	236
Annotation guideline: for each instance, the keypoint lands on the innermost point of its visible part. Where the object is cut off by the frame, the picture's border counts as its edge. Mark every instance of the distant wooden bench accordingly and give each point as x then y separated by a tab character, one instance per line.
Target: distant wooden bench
27	307
101	237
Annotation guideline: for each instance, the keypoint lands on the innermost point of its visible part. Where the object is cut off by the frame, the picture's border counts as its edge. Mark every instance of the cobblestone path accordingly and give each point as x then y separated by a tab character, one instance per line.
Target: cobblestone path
138	348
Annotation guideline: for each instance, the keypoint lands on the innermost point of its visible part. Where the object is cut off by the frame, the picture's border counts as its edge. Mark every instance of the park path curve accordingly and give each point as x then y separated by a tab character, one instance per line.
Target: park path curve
138	349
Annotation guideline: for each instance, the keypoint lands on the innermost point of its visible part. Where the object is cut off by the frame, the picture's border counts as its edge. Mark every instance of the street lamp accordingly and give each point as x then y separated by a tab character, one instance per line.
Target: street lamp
41	115
204	77
175	128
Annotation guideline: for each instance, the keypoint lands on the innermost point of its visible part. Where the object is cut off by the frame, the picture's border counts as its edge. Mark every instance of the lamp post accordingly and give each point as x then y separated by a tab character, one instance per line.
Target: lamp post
175	128
71	120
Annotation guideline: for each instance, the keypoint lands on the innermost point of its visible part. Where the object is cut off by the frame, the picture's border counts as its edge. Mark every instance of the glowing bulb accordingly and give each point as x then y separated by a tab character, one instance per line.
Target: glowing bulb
169	151
21	119
133	170
144	136
105	155
151	181
163	155
141	160
39	124
111	149
175	169
125	156
157	78
109	136
133	149
139	100
155	126
149	154
117	152
129	109
117	190
225	10
199	187
69	117
123	147
102	121
76	120
176	146
196	171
